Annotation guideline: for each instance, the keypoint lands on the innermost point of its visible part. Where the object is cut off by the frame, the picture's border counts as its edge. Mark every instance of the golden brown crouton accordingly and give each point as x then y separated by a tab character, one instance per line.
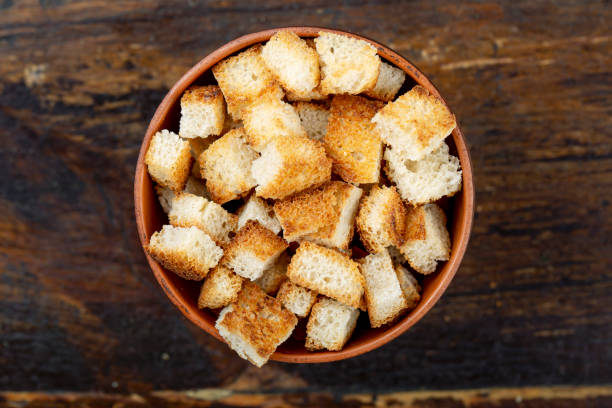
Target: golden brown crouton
168	160
220	288
202	112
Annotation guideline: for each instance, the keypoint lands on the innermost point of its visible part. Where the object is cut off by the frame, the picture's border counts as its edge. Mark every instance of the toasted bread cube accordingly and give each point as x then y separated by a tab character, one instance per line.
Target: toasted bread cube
330	325
306	212
188	252
258	210
351	140
383	293
348	65
192	186
296	299
226	166
427	239
434	176
189	210
273	277
255	324
294	64
381	221
253	250
220	288
243	79
410	286
328	272
415	124
314	119
390	80
269	118
202	112
290	165
324	215
168	160
339	231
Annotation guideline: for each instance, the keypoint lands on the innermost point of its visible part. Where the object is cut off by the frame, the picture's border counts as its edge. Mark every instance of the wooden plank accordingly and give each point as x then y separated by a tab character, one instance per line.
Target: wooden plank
529	82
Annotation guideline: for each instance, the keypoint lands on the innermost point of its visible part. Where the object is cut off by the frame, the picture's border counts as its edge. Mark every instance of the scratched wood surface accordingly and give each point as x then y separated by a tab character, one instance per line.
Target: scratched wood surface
531	85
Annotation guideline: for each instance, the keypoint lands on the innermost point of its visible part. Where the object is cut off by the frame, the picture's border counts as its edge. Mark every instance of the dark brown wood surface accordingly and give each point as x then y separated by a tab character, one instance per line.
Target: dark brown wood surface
531	85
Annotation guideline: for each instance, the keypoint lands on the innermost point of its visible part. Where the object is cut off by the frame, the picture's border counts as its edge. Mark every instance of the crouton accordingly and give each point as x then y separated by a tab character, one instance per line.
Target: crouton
381	221
352	141
273	277
290	165
188	252
339	231
427	239
314	119
189	210
294	64
220	288
330	325
243	79
390	80
328	272
193	186
255	324
383	294
296	299
269	118
434	176
253	250
226	166
409	285
415	124
168	160
348	65
202	112
258	210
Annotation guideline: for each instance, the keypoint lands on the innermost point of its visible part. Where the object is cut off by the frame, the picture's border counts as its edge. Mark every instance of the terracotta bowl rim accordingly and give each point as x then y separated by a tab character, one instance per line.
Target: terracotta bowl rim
465	217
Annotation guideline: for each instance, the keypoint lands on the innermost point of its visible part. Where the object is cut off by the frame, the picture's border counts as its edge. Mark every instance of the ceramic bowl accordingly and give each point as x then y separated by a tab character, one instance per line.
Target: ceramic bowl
184	294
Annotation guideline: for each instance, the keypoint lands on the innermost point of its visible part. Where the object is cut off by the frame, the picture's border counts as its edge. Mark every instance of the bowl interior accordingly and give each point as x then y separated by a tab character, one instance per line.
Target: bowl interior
150	216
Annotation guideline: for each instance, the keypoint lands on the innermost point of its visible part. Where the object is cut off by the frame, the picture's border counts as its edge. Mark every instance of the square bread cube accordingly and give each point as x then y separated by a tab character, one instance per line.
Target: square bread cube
188	252
226	167
255	324
294	64
427	239
434	176
306	212
415	124
327	272
269	118
381	221
314	118
290	165
390	80
352	141
338	231
383	294
410	286
296	299
168	160
220	288
258	210
274	276
253	250
330	325
192	186
202	112
189	210
243	79
348	65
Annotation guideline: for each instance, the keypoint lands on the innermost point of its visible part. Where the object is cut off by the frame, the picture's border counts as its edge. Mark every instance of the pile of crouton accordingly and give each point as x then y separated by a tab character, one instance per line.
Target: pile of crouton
295	135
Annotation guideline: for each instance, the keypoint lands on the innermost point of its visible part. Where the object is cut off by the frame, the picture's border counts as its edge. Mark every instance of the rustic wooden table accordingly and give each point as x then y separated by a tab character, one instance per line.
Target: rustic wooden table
527	320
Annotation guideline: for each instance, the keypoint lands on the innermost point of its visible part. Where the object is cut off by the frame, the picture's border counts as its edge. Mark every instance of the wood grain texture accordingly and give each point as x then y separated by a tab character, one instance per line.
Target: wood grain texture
530	83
